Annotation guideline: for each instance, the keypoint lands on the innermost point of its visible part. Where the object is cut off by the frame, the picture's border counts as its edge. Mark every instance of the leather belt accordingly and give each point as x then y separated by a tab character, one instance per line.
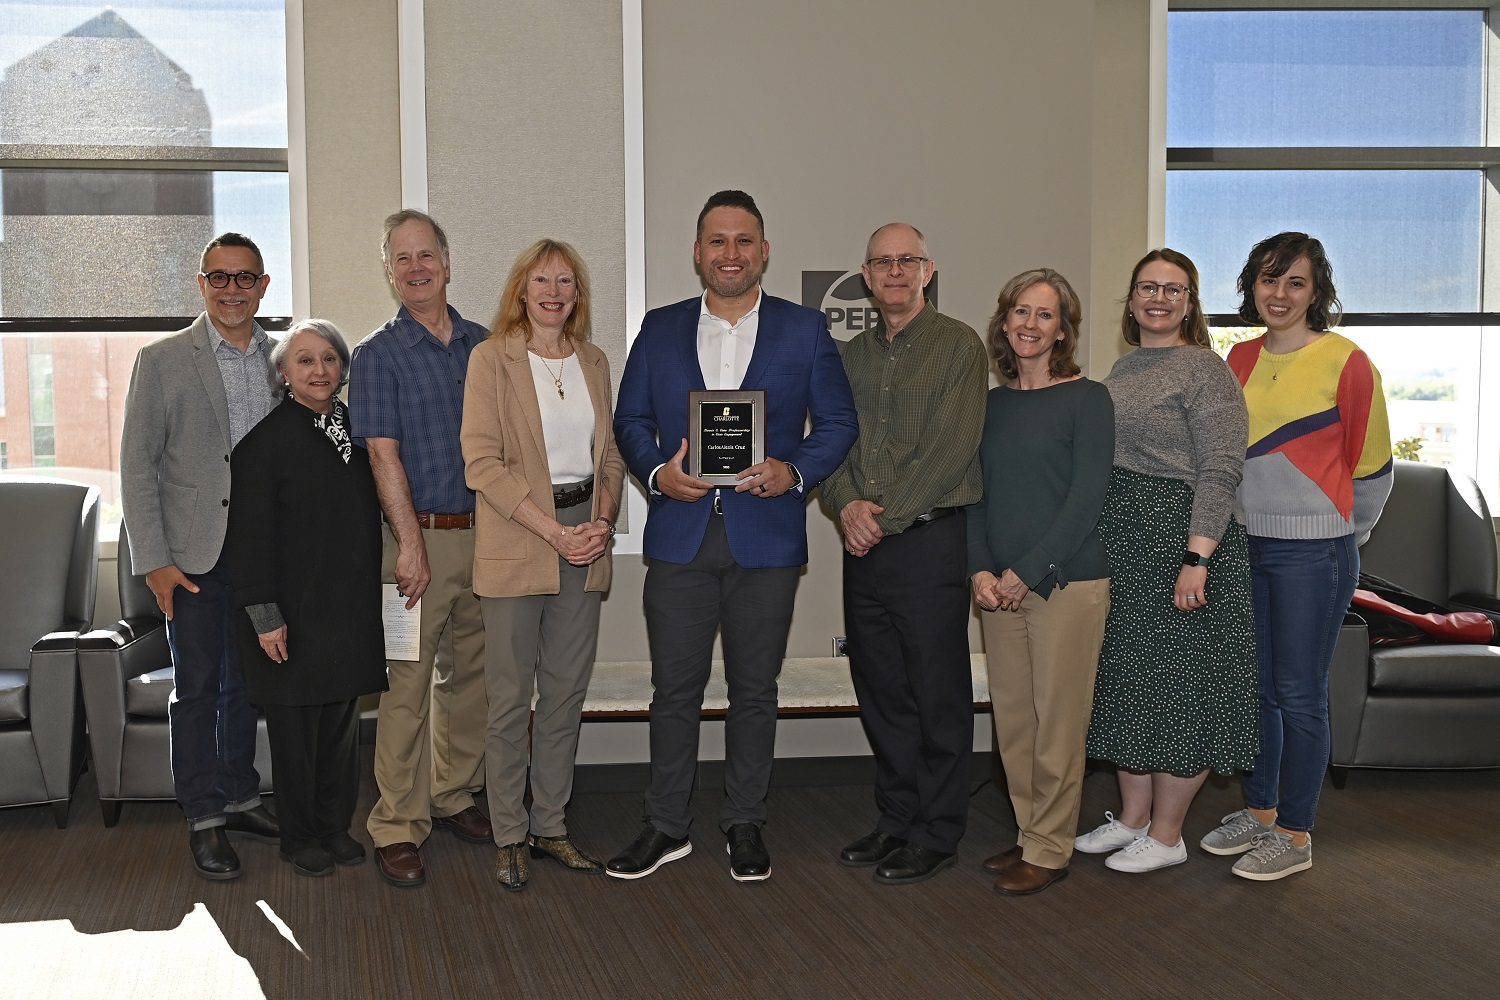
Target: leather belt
935	514
571	496
446	521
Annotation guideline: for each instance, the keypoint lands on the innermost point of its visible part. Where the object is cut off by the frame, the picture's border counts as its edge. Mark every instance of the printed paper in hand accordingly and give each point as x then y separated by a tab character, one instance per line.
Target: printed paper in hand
402	632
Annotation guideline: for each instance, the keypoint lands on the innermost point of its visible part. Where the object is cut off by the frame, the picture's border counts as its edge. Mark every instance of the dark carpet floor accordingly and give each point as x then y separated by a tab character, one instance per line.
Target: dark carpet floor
1404	901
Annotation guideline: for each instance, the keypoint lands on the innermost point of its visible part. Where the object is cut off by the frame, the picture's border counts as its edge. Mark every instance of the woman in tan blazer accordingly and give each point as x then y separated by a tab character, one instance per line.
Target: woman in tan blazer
540	454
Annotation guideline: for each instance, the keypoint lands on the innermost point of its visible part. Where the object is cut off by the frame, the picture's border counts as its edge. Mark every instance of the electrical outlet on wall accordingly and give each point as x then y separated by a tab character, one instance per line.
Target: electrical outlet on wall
840	646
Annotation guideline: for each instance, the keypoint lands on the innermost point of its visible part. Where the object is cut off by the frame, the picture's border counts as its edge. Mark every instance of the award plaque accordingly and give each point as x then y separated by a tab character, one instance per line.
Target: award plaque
726	433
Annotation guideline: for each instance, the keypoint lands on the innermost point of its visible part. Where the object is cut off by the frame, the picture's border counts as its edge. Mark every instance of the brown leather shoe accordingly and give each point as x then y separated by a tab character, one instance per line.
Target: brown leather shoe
400	865
1000	862
1024	878
469	824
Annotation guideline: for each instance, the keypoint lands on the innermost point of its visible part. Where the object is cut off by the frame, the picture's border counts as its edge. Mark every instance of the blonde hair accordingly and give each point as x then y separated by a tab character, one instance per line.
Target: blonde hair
512	320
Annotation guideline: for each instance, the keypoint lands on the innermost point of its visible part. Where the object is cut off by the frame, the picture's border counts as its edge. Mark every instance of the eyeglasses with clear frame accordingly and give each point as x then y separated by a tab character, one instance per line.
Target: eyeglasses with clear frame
221	279
1148	290
883	264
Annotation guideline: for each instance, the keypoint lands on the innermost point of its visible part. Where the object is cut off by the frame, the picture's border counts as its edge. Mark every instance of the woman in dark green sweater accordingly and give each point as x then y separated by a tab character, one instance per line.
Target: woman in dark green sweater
1038	568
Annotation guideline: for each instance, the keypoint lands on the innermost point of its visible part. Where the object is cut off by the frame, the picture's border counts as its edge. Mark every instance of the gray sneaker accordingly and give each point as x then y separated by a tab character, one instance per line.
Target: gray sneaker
1234	834
1273	856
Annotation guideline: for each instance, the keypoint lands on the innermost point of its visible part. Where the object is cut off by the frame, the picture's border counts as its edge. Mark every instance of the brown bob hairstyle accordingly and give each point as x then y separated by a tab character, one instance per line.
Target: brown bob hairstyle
512	320
1274	256
1063	363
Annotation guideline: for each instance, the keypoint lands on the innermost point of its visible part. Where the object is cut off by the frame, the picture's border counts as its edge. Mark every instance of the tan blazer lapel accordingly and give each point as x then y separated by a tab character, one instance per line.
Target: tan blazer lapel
598	385
518	370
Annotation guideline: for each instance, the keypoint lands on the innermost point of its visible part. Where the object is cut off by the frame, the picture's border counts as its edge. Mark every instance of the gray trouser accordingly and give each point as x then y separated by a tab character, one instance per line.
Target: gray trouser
545	644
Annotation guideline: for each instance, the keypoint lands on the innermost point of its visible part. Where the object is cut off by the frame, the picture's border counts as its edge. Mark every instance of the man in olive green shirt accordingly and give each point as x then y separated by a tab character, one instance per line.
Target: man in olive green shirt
919	380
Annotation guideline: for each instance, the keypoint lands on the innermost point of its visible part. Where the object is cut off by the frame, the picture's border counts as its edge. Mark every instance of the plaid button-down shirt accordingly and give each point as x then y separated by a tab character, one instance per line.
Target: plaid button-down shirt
406	384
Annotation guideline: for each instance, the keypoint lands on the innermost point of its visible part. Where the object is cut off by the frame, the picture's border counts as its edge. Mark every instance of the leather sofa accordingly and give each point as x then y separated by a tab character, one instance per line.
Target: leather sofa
1422	706
49	569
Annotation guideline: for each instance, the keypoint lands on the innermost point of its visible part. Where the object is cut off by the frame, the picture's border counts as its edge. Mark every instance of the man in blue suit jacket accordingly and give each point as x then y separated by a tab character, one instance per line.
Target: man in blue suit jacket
721	557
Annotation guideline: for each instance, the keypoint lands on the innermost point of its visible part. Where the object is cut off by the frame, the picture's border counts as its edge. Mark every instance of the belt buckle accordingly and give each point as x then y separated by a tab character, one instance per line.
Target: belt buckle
718	503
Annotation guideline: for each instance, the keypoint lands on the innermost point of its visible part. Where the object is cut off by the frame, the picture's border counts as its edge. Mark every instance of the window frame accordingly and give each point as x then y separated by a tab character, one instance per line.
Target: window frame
1484	157
290	160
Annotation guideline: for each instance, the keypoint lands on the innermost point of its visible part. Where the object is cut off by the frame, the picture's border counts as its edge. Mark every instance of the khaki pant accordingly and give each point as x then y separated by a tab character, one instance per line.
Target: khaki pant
1042	661
429	744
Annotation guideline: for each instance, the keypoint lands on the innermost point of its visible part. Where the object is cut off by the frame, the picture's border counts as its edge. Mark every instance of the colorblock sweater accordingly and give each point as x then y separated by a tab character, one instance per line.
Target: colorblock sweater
1319	460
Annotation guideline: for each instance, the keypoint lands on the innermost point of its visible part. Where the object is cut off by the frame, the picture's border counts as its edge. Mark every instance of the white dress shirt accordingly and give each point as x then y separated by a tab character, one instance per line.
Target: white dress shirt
724	348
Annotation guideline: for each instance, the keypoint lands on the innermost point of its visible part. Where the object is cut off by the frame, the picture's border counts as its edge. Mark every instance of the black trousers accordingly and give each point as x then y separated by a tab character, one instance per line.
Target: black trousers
906	612
315	765
685	605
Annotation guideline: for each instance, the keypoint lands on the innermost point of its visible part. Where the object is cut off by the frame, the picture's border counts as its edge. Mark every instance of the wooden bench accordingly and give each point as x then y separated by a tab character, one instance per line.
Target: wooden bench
807	686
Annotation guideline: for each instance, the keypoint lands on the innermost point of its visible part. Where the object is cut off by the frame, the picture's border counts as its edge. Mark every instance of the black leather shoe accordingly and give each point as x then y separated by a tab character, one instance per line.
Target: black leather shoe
646	853
254	824
212	855
313	861
913	863
871	849
749	861
345	849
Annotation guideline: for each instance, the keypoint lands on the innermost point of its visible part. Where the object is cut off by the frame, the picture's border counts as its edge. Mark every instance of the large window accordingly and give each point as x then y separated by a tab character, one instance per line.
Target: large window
131	133
1366	128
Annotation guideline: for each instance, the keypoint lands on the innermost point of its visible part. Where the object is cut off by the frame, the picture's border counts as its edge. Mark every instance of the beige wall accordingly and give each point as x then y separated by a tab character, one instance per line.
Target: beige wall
525	139
1011	132
353	158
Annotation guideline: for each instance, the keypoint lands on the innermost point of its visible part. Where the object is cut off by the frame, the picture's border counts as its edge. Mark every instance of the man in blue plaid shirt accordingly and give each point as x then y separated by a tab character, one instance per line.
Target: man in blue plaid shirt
406	400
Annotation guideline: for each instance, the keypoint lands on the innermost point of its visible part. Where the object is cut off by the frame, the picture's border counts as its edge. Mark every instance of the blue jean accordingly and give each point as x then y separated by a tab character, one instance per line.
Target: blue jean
1301	589
212	723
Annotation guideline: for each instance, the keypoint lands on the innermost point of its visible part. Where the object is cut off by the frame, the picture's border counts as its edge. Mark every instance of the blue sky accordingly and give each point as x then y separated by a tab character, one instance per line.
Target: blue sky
1400	240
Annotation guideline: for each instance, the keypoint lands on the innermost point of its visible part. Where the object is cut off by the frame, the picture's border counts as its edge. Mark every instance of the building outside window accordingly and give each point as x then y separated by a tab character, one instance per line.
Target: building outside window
130	134
1368	129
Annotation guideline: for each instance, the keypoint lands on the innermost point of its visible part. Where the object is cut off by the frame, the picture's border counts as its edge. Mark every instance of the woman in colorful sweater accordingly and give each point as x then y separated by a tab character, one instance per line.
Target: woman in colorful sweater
1317	473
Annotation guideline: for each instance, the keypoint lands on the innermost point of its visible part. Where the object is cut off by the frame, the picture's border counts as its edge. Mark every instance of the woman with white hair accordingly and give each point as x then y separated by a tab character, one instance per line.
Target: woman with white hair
304	554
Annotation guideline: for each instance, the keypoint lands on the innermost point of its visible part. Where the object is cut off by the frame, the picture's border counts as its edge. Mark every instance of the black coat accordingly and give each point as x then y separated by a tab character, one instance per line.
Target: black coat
304	533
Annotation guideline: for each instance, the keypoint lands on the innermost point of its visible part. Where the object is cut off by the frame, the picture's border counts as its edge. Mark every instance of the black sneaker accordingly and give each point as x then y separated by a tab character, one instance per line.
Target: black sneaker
646	853
749	861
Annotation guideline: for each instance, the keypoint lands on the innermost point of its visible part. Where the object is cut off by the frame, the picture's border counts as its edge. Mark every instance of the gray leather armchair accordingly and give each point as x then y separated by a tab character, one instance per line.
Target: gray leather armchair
1424	706
49	568
127	688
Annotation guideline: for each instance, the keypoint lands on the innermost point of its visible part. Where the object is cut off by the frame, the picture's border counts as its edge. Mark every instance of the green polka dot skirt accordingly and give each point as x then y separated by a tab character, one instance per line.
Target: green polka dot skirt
1176	690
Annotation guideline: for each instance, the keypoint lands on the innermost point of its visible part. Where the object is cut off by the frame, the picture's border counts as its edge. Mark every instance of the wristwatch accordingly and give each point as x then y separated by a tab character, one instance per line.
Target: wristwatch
1191	558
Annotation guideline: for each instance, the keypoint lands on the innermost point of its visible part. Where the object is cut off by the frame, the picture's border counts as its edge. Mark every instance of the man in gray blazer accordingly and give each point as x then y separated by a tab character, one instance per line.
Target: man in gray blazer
193	395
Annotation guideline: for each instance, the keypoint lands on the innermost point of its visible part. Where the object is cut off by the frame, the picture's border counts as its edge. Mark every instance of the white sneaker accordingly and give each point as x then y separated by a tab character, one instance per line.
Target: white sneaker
1110	836
1146	854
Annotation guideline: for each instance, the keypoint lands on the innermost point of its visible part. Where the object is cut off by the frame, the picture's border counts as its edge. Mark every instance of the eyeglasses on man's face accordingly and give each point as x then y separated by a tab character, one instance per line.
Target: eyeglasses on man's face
883	264
221	279
1148	290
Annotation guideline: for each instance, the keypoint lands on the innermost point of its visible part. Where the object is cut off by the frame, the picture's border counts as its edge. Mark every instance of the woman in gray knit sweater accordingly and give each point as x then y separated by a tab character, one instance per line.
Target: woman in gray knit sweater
1175	693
